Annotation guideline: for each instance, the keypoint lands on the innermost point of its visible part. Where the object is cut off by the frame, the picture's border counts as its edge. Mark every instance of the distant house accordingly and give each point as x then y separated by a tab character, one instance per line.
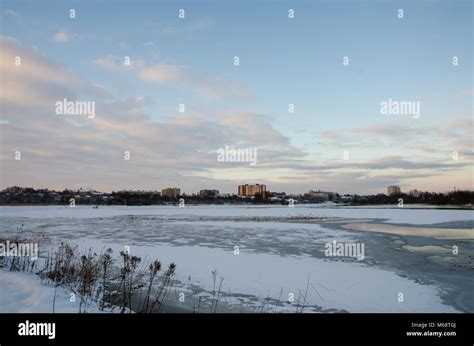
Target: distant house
276	196
209	193
320	195
54	196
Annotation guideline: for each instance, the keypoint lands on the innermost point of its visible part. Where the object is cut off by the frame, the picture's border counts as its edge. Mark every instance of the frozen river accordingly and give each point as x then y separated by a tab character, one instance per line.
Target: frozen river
259	261
394	215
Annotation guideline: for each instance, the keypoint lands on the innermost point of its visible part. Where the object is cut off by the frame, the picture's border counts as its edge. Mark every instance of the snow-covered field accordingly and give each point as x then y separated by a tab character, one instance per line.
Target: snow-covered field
258	260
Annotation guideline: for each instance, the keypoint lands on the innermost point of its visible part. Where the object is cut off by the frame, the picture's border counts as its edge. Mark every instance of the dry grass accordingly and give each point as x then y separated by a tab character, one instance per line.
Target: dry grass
92	277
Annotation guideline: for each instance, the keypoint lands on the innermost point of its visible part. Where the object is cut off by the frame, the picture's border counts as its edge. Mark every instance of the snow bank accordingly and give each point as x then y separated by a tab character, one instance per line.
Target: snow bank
24	293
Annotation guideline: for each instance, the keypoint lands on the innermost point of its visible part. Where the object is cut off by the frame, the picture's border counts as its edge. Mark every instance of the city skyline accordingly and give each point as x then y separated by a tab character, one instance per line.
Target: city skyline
343	133
240	190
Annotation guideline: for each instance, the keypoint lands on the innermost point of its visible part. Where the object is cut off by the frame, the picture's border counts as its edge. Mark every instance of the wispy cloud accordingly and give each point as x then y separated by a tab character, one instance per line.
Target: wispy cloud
35	81
10	12
114	63
63	36
468	92
181	149
52	146
209	87
164	73
188	27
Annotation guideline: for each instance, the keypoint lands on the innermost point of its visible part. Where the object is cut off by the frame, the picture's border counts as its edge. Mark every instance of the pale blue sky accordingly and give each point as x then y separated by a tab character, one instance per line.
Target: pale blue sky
282	61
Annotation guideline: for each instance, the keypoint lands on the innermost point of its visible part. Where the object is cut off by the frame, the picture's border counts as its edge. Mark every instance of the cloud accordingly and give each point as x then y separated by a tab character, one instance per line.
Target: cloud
209	87
60	151
389	129
35	81
62	36
115	63
10	12
468	92
177	150
256	128
109	62
188	27
331	136
57	149
164	73
460	127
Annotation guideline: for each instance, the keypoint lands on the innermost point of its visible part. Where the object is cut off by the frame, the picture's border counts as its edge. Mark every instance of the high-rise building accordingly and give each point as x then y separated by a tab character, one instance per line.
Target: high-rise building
252	190
171	192
393	190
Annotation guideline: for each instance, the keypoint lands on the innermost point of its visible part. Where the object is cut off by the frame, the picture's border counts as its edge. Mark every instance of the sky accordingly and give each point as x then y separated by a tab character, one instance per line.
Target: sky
336	62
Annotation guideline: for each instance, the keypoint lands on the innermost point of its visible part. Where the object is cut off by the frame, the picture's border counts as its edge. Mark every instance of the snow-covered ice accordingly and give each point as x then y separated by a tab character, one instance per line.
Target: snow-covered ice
394	215
275	258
